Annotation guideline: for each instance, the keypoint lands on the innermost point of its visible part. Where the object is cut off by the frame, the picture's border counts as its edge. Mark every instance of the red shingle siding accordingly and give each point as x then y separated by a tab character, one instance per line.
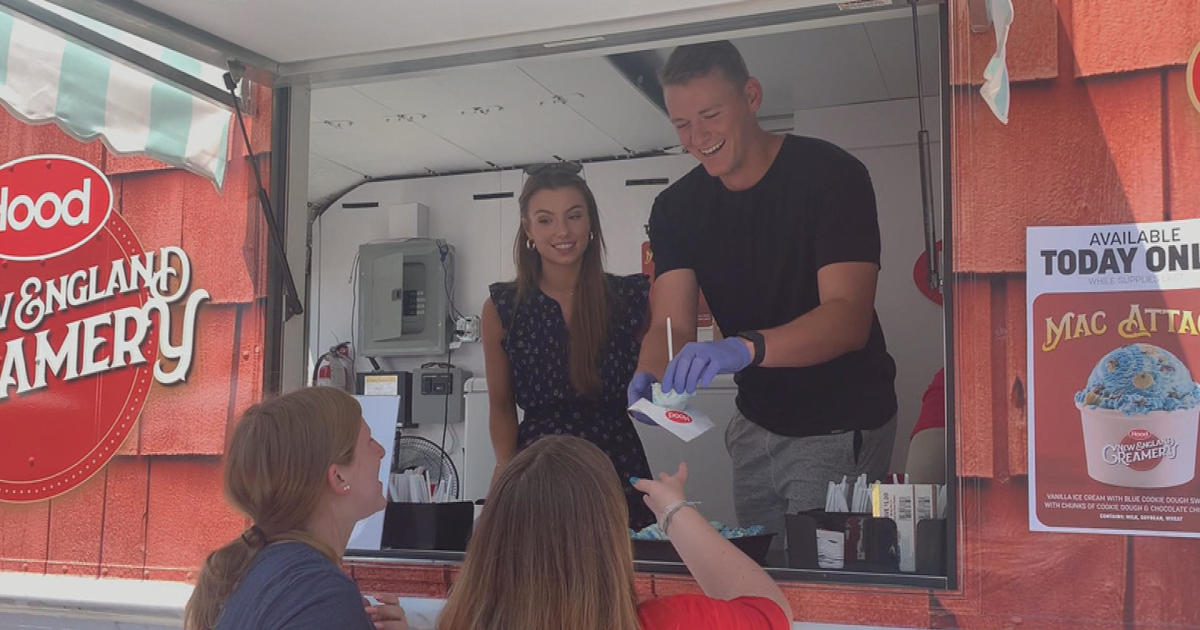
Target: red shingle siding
76	521
1014	578
1016	384
1105	149
973	357
428	581
118	165
123	551
1030	574
1111	37
1183	147
1074	152
643	586
905	608
667	585
1032	51
152	204
1167	582
248	389
220	235
188	514
24	536
19	139
192	419
258	125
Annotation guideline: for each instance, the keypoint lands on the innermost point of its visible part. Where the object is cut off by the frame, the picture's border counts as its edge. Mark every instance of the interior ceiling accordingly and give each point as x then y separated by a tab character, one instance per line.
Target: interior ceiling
301	30
576	108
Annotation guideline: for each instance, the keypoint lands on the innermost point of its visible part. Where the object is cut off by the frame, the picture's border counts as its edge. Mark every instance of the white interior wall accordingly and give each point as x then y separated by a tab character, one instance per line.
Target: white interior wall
469	225
882	135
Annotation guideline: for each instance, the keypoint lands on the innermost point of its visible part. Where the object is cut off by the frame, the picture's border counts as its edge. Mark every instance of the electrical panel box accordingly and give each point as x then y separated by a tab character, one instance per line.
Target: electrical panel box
437	392
403	309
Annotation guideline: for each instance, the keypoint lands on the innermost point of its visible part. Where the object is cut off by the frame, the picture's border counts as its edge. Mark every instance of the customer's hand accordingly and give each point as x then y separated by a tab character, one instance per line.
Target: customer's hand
701	361
388	615
663	493
640	387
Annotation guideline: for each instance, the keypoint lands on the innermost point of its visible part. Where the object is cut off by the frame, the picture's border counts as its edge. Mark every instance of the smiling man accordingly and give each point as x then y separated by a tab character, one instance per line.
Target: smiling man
781	234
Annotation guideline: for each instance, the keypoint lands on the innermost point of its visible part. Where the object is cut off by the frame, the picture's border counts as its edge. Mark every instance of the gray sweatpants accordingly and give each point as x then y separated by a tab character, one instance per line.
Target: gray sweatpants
775	474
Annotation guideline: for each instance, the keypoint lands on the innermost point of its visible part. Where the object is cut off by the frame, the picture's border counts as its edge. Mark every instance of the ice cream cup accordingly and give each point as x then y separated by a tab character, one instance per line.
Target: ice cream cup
670	400
1150	450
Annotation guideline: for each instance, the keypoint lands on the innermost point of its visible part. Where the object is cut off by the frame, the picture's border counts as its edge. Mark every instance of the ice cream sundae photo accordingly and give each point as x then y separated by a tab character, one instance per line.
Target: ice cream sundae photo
1140	409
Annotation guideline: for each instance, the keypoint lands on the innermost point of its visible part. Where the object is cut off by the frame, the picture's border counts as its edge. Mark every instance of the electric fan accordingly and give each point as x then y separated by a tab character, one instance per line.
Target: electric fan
413	451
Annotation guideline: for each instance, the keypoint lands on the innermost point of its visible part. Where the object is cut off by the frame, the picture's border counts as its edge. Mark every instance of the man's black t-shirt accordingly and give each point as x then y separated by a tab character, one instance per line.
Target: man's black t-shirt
756	254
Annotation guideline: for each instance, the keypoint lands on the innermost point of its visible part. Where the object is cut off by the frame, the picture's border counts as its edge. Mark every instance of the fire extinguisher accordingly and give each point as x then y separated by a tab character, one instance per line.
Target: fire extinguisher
336	368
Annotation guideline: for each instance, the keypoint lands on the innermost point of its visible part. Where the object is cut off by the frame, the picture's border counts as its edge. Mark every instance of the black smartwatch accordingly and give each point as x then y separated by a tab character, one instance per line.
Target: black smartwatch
760	345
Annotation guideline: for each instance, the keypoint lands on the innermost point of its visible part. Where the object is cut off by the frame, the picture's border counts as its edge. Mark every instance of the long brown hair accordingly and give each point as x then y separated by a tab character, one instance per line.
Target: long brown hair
588	328
275	473
551	549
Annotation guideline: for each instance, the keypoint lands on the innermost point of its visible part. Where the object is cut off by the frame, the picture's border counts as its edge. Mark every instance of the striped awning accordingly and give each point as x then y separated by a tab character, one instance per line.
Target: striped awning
47	77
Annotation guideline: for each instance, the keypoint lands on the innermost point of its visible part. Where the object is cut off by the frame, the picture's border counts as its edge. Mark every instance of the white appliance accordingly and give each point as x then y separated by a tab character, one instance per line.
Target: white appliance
478	457
709	469
380	413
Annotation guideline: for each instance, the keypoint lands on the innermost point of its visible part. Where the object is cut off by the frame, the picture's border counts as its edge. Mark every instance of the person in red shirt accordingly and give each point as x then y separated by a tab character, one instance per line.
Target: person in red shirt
926	461
552	550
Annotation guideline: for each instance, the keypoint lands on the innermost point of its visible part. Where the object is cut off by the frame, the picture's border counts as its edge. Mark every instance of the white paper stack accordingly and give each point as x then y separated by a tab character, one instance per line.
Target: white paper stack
410	486
830	549
835	497
861	502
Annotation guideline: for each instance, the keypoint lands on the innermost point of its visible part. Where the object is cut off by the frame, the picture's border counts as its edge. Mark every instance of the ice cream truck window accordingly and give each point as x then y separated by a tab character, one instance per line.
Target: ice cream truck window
406	168
1063	360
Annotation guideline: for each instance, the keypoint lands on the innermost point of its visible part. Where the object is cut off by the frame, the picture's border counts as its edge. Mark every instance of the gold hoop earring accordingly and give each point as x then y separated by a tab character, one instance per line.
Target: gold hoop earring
529	244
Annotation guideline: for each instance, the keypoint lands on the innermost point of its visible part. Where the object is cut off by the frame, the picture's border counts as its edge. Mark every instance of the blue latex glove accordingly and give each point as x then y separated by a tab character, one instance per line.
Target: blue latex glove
700	362
639	387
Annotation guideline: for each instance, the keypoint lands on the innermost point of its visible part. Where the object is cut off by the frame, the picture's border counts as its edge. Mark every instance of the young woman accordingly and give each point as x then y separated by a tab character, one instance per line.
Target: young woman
562	341
551	551
304	469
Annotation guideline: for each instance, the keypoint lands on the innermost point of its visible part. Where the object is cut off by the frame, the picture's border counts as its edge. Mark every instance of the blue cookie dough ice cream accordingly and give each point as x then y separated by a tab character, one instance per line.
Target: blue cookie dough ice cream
1138	379
669	399
1140	413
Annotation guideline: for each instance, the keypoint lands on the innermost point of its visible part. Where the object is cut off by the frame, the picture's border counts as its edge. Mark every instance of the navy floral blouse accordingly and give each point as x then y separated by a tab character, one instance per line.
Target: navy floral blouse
536	342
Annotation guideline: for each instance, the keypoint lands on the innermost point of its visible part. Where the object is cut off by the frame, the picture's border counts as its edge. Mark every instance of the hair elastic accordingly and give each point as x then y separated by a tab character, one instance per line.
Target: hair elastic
254	537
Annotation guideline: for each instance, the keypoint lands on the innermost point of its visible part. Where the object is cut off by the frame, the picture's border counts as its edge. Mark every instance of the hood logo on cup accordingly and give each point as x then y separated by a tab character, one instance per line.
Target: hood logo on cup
679	417
1140	450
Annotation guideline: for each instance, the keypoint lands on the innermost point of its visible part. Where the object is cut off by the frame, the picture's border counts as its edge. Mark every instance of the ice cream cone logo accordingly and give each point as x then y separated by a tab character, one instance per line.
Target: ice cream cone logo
679	417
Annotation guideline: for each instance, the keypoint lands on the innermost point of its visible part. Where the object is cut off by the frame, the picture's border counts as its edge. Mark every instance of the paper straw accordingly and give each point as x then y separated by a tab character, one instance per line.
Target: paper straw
670	341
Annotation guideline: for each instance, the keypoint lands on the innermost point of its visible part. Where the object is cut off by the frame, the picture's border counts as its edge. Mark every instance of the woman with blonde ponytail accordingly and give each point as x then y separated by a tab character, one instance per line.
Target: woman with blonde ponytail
304	469
562	340
551	552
